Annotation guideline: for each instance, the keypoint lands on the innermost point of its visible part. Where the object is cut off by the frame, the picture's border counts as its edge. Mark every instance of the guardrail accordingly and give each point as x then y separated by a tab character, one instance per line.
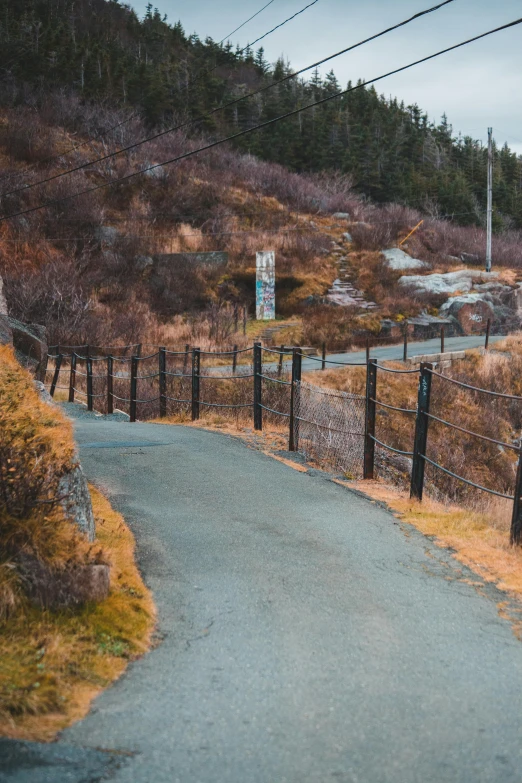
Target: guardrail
271	394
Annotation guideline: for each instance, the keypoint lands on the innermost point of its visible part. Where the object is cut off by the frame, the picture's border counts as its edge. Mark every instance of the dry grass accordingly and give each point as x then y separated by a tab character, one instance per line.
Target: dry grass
482	546
36	450
52	664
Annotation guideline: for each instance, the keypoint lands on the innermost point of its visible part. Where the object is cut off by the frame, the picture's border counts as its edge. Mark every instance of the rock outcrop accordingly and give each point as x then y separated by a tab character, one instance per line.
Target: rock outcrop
461	281
6	334
56	589
76	501
398	259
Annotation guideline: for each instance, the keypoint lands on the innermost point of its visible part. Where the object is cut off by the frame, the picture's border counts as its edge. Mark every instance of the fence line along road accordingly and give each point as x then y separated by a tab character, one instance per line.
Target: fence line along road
333	427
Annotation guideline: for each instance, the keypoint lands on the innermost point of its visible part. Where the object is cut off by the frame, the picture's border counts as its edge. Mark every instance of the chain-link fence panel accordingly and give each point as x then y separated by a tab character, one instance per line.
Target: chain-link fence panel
329	427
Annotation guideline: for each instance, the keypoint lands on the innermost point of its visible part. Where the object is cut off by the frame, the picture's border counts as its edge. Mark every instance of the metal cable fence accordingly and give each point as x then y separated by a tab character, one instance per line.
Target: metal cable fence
395	427
329	427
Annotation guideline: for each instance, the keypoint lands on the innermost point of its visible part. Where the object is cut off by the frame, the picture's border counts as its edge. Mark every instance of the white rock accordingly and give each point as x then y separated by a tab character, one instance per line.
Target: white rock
459	301
398	259
448	283
3	303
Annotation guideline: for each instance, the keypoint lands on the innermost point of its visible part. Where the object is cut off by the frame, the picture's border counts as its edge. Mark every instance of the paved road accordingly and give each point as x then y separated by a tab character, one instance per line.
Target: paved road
390	352
308	636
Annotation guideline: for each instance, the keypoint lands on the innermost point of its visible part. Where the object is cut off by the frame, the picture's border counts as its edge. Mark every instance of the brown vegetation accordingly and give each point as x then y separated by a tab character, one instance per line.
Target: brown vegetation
36	450
52	664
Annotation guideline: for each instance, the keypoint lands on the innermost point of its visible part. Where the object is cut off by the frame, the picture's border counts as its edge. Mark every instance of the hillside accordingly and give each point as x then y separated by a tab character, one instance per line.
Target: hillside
93	78
100	51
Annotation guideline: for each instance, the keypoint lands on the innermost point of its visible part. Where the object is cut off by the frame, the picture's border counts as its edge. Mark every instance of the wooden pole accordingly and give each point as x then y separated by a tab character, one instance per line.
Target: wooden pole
489	227
293	440
72	377
196	370
281	359
516	519
421	431
369	429
90	400
133	388
162	360
258	387
56	376
110	385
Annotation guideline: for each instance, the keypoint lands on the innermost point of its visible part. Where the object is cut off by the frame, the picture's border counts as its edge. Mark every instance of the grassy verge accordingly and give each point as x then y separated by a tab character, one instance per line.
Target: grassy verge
52	664
477	543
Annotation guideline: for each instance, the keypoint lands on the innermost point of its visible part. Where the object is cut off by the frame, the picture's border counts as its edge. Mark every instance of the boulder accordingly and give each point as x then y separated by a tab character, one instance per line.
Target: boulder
449	283
469	258
143	263
76	501
341	216
69	587
398	259
6	333
470	310
73	489
347	237
107	234
30	343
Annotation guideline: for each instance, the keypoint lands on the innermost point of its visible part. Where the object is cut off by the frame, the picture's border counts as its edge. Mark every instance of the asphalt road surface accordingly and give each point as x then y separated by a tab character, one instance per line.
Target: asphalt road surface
308	635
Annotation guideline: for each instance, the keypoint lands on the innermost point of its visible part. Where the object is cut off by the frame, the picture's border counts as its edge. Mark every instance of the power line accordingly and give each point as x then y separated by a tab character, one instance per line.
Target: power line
233	102
262	125
245	23
282	23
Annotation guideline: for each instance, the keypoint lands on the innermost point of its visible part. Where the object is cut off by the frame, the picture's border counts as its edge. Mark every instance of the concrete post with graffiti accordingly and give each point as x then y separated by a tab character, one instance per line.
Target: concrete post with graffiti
265	286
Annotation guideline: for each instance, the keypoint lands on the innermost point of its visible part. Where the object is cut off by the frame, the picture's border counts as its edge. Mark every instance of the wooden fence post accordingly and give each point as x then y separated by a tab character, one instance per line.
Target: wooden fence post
488	332
162	359
421	431
196	369
442	339
405	351
56	376
110	384
133	388
90	401
258	387
323	359
72	377
281	358
293	441
185	359
369	427
516	519
234	360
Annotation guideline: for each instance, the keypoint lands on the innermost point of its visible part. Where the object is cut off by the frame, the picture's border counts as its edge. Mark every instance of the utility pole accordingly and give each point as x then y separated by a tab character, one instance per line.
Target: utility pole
490	199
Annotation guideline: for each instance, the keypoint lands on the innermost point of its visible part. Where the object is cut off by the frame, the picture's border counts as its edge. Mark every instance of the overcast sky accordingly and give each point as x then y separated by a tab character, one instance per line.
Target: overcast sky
477	86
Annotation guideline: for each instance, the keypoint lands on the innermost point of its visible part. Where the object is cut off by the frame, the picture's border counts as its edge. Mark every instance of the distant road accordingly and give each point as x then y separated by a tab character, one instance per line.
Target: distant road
395	352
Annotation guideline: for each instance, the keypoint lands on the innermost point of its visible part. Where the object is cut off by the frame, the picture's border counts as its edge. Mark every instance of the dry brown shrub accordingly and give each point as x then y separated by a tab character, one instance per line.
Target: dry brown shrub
36	450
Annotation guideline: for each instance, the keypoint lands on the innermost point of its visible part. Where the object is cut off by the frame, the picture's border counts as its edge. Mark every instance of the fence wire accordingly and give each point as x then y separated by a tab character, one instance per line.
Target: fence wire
330	427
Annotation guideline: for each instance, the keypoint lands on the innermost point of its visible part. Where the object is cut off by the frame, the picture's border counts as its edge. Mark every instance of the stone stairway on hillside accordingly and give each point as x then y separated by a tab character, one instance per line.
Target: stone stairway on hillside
269	334
343	292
